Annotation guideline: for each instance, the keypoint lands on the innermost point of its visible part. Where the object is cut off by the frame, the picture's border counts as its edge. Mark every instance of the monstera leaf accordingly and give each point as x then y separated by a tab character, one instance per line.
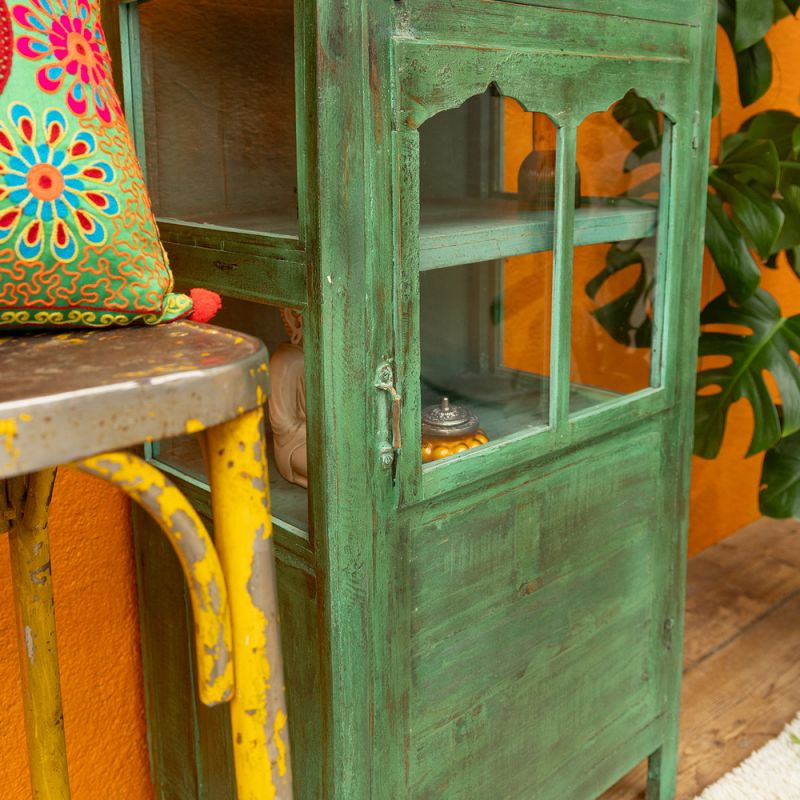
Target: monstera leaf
779	496
731	253
746	178
638	116
745	23
768	347
753	19
627	318
745	214
780	127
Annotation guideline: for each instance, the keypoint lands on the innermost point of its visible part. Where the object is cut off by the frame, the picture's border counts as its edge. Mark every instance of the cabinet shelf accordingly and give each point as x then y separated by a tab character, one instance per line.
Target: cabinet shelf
259	221
467	231
507	401
182	456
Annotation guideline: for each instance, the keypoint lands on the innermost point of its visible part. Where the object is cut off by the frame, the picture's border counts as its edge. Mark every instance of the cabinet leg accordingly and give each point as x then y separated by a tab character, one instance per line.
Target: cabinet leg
237	471
662	770
29	498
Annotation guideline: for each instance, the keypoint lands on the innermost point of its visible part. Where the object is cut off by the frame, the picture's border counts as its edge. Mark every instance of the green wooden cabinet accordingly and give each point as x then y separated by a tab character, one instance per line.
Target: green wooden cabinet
505	622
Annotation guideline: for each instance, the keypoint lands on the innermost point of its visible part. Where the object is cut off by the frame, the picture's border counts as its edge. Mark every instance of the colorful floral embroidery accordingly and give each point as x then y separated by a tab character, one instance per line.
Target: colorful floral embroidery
6	44
79	245
51	186
66	35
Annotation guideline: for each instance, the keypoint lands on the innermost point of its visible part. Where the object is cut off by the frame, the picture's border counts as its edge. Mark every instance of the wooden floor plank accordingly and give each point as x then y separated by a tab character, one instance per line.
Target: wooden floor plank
740	697
730	585
742	654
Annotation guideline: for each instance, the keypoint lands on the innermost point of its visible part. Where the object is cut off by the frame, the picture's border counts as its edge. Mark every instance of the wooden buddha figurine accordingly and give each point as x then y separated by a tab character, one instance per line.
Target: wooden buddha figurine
287	402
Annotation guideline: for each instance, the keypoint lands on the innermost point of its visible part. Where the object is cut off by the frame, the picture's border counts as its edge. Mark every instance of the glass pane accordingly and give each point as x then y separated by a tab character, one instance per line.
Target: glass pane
219	113
281	331
485	331
486	239
487	178
613	313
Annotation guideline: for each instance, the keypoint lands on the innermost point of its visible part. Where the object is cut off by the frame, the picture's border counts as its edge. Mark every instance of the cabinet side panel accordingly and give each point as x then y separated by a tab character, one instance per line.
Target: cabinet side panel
297	594
190	746
166	637
535	638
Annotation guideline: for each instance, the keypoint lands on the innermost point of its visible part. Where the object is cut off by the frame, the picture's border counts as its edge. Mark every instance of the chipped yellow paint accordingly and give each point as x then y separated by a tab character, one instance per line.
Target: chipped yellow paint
278	734
29	546
201	566
243	529
194	426
23	417
72	338
8	435
238	340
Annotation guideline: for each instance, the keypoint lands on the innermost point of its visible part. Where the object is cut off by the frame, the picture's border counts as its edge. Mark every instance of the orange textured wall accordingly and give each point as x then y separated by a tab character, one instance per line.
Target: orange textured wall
97	620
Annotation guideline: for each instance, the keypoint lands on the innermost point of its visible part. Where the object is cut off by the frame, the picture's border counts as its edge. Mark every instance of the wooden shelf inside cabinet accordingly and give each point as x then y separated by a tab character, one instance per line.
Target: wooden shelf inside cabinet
270	222
183	457
507	401
466	231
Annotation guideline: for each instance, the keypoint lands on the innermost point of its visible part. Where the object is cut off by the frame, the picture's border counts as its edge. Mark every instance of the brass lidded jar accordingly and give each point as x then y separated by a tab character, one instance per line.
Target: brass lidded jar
449	429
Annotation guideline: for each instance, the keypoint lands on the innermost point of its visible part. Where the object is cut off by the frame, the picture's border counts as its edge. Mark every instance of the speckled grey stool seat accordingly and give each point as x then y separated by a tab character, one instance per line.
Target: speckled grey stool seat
79	398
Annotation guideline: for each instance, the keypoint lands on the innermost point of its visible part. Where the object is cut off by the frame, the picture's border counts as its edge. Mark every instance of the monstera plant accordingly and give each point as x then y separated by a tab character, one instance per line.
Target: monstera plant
753	224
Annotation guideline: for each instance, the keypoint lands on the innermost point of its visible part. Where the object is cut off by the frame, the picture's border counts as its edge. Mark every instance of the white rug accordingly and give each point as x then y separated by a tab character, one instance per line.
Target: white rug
771	773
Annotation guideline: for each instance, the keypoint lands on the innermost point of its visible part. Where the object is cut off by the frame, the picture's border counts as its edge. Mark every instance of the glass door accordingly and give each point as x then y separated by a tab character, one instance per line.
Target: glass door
488	213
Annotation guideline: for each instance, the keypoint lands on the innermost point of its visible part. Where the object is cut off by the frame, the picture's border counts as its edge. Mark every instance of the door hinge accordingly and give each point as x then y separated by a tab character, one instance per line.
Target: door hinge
390	441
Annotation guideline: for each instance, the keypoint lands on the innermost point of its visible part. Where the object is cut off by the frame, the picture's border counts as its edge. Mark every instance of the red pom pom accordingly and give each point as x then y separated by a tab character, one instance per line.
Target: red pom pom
205	305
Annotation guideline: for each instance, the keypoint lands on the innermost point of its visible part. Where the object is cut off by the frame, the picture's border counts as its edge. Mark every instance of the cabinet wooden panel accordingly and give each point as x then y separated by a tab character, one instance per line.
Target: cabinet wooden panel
535	626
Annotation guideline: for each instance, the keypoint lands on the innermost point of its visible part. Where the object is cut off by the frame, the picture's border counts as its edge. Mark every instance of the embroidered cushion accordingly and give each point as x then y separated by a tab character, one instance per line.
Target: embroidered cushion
79	245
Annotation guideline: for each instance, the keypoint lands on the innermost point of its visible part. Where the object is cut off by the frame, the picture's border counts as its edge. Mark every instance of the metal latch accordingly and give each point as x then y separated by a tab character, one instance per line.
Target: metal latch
391	442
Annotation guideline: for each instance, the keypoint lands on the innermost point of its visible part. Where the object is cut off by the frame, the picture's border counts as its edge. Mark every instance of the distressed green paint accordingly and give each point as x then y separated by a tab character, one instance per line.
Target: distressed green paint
451	239
274	279
507	623
436	77
561	345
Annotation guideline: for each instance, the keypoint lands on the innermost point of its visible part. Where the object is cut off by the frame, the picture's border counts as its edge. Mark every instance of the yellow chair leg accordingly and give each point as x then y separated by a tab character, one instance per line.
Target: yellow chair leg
29	498
160	498
237	469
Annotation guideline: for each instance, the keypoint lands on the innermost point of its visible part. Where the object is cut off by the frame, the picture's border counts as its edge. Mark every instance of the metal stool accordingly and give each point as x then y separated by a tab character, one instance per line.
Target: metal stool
77	398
